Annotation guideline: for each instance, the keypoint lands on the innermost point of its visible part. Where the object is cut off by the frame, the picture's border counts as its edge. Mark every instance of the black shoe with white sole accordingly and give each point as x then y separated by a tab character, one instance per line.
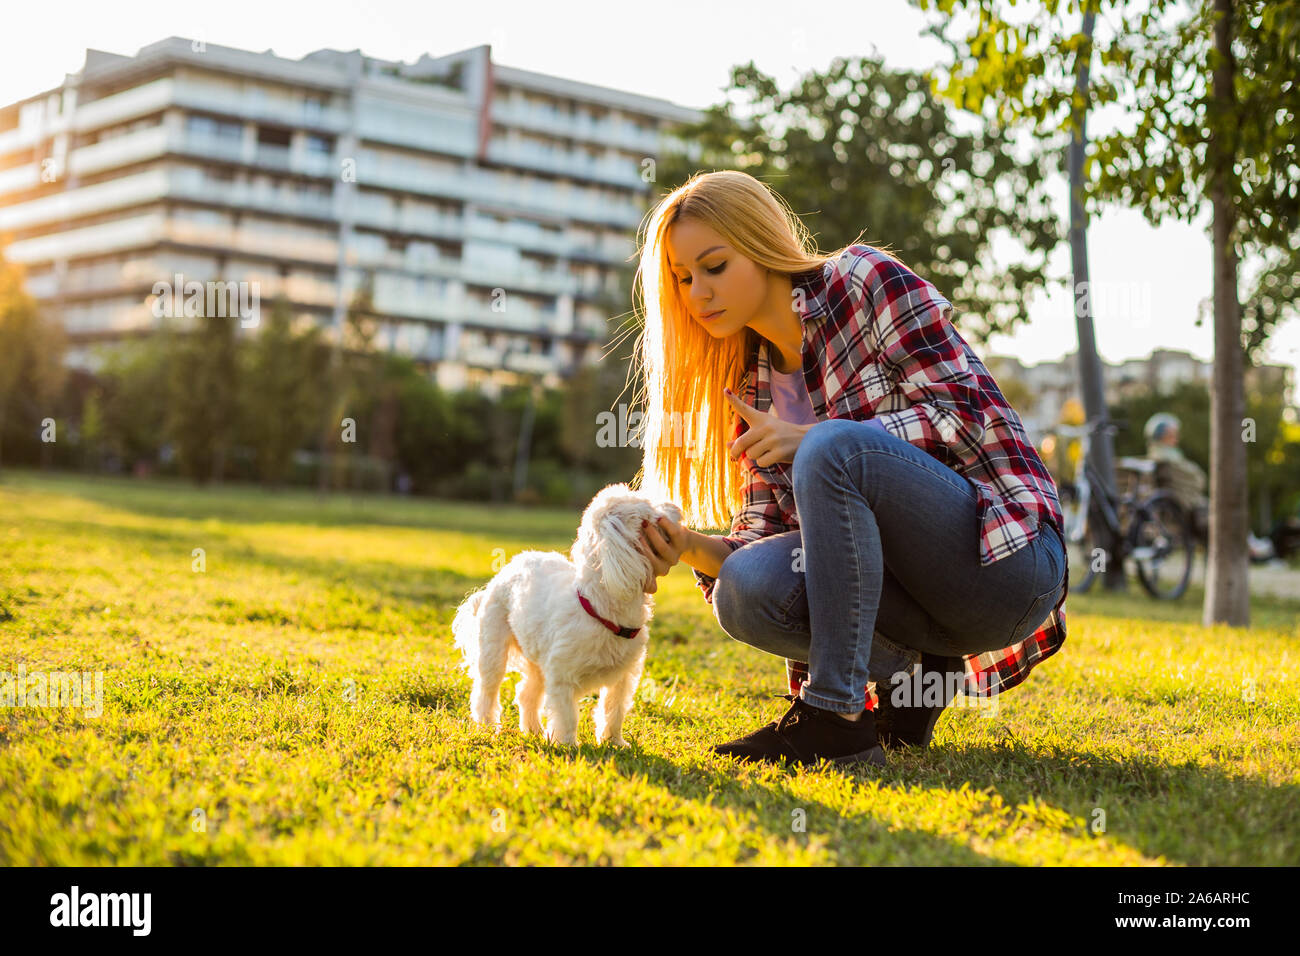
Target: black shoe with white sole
806	734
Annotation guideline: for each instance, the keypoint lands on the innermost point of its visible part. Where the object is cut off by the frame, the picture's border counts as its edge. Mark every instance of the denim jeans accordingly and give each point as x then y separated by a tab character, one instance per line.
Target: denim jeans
884	564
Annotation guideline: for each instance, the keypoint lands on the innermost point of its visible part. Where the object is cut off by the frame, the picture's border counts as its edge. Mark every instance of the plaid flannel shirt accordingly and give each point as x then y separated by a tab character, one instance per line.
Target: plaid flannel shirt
878	344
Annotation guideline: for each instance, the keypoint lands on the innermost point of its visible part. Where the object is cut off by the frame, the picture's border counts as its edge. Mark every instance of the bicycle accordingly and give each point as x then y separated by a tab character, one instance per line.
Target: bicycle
1151	527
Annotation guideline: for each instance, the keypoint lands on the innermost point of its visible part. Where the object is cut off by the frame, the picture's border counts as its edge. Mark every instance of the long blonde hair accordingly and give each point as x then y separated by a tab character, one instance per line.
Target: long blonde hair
687	420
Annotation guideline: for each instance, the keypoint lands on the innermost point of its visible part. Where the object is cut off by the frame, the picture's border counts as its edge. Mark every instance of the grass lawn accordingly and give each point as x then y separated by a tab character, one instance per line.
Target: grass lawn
298	702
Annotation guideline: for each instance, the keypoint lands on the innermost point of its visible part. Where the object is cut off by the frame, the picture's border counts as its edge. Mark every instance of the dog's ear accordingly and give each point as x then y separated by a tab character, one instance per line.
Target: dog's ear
607	540
669	509
623	568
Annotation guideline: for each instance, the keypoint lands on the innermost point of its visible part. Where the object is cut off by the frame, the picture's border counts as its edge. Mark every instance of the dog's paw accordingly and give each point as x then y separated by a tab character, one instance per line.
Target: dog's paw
561	740
617	742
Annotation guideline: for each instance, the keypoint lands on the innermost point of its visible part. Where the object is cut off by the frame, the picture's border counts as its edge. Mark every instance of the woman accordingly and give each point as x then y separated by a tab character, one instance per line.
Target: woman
891	502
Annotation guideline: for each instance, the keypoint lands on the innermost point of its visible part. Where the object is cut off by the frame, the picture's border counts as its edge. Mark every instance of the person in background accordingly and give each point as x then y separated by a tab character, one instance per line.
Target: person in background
1187	481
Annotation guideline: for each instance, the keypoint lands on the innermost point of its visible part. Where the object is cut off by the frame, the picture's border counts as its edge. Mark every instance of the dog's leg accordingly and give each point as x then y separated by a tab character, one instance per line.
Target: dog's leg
561	704
493	649
615	701
528	698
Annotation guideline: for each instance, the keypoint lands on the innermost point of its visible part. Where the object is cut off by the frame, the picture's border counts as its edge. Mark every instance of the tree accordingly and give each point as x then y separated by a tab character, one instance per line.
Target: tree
133	375
31	361
202	397
280	391
602	391
862	147
1217	123
425	433
350	379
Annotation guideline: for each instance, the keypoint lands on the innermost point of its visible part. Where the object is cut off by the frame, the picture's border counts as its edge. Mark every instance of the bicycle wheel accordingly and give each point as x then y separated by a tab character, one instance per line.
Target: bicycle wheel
1164	547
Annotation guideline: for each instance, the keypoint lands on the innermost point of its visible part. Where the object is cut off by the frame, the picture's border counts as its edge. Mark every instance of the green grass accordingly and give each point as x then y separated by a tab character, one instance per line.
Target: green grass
302	693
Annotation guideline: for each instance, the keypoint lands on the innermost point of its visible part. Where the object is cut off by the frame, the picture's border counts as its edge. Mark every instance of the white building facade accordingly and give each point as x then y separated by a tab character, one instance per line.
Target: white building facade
490	208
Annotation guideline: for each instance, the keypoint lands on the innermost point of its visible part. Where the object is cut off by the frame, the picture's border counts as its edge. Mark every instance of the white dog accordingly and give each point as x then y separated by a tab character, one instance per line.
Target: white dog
531	619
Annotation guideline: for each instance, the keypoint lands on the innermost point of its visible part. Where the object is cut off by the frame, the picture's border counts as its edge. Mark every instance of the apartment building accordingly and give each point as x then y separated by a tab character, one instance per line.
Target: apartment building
489	209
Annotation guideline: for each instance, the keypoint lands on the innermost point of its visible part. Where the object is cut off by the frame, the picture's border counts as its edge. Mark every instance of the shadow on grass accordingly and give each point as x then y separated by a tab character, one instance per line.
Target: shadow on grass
774	810
386	582
1188	813
251	504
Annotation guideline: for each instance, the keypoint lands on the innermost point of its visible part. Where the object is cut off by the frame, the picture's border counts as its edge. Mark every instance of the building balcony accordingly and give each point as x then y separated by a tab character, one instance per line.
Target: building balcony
129	233
621	172
605	132
276	244
193	184
532	363
19	179
417	223
256	105
280	159
453	185
131	190
519	318
393	299
125	150
519	279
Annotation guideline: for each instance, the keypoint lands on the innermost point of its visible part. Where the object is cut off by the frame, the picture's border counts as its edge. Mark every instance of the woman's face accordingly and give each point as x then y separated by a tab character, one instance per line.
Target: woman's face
712	276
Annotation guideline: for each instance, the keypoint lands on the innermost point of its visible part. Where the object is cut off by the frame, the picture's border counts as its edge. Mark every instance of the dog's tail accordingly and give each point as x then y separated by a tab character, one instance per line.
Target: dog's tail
464	628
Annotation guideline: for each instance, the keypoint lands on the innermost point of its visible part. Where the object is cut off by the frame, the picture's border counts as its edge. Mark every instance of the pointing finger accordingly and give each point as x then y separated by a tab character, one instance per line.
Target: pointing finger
748	412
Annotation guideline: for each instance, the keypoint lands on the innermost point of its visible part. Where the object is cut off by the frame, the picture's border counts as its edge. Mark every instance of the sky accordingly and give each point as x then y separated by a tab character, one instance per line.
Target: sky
1148	280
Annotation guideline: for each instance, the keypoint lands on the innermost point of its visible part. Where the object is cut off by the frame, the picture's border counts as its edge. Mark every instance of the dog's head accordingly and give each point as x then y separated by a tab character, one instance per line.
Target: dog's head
608	535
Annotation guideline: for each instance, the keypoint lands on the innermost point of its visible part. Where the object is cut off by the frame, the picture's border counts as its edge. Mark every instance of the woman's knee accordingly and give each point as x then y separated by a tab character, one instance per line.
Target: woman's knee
728	588
743	591
829	441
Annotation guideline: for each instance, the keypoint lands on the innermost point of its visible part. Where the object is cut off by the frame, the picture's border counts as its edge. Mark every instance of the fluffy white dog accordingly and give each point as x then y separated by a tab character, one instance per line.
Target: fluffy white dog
567	627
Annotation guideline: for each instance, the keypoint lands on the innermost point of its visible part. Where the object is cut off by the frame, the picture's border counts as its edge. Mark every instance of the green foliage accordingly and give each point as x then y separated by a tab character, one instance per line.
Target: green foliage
202	394
280	390
200	398
31	364
1155	58
134	379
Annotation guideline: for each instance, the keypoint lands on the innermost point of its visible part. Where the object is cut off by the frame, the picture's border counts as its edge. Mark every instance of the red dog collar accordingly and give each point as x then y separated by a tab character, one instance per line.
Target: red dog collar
628	632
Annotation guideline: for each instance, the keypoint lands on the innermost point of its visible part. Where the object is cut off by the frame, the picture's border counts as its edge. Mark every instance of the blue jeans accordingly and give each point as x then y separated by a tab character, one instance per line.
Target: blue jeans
885	564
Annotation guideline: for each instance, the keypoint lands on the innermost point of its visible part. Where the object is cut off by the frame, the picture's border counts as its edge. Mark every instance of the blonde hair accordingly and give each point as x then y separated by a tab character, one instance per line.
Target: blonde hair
682	366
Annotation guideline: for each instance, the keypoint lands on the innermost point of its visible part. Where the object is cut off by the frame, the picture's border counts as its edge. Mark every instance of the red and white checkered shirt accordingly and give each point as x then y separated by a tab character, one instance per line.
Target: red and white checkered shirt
879	343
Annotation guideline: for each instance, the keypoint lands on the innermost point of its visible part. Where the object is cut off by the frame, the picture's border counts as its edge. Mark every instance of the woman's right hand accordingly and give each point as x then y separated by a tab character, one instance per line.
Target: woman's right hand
663	542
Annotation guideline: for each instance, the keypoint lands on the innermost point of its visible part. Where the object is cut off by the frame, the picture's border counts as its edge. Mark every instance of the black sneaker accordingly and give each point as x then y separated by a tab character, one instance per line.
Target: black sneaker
806	734
913	725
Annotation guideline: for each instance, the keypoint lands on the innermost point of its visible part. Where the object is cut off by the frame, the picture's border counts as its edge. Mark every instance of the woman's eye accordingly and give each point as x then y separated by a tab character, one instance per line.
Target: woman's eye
713	272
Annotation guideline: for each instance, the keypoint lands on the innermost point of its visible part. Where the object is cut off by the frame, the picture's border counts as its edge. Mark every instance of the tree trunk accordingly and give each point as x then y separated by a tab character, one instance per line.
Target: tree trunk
1227	593
1092	383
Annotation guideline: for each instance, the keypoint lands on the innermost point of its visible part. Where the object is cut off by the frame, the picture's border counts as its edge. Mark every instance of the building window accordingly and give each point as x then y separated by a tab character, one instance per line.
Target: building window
214	128
314	106
273	136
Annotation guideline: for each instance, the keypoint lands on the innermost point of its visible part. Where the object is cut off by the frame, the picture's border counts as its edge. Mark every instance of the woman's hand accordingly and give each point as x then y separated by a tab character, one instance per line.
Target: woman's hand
663	542
769	439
